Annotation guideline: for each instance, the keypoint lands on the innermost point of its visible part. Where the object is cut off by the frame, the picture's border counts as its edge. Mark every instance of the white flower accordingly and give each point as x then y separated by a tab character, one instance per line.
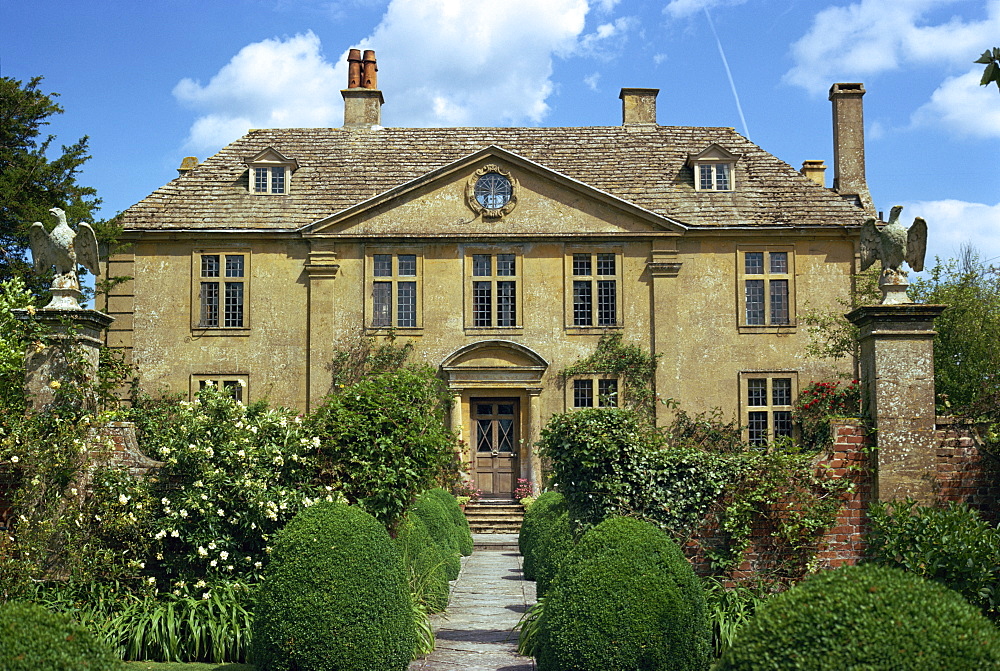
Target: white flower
211	545
184	513
229	567
198	483
205	595
315	441
15	459
174	534
200	584
204	497
223	555
222	513
159	555
253	429
122	499
160	534
213	563
165	501
257	564
151	580
202	552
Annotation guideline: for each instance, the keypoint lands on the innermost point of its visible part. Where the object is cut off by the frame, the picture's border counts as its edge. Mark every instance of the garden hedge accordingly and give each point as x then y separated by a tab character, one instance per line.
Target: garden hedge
462	532
425	561
33	639
334	596
553	542
626	599
442	529
865	617
534	518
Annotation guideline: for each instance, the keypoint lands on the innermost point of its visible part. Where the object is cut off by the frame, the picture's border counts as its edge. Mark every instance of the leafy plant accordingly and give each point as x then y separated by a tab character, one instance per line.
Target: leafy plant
820	401
36	640
950	545
730	608
634	366
991	73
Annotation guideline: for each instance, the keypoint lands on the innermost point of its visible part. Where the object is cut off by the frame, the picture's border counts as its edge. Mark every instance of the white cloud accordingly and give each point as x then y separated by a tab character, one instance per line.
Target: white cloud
269	84
679	9
961	104
953	223
599	42
454	62
592	80
852	42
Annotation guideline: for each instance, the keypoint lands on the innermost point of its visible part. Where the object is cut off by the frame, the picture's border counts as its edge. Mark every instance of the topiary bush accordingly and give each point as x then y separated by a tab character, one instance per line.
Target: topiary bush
463	535
534	518
625	598
865	617
33	639
553	543
333	597
952	546
425	562
441	527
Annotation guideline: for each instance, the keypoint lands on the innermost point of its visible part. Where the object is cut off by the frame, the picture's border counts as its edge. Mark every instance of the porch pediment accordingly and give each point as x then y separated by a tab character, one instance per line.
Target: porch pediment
494	363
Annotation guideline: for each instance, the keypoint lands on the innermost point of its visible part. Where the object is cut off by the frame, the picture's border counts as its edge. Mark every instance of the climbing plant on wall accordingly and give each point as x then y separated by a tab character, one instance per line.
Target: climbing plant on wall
634	367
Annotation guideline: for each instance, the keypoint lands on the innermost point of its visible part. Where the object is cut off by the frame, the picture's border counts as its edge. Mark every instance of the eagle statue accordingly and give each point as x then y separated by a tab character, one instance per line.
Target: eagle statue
65	249
892	245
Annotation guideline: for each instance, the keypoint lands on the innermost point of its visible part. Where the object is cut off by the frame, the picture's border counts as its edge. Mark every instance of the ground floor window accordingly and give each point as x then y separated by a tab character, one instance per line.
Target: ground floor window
766	401
234	385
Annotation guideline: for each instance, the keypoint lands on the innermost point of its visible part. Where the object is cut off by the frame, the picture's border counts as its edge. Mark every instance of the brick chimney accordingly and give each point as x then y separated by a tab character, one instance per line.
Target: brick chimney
638	106
849	145
814	170
362	99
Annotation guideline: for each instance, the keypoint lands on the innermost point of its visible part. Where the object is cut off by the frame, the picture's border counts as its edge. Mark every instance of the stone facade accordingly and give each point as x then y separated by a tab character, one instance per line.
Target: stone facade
693	243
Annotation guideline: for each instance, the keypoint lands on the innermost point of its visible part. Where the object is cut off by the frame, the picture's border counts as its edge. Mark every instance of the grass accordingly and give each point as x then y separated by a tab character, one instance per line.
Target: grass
181	666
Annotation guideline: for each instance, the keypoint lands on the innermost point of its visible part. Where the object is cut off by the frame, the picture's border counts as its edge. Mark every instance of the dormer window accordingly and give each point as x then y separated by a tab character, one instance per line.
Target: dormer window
714	169
270	172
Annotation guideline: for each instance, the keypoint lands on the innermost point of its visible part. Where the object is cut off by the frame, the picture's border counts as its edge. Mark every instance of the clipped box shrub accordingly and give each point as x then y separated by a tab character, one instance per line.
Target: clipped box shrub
334	596
33	639
553	543
534	517
865	617
626	599
463	535
425	562
441	527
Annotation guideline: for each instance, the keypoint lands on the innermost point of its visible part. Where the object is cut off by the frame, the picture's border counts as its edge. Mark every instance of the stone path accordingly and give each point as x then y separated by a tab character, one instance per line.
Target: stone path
488	599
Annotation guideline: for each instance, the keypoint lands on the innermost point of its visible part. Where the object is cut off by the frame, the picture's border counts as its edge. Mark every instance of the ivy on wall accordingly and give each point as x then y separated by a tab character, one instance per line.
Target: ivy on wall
634	367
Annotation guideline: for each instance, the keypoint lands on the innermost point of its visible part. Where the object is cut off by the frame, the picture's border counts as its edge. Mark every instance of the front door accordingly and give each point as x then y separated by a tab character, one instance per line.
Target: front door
495	423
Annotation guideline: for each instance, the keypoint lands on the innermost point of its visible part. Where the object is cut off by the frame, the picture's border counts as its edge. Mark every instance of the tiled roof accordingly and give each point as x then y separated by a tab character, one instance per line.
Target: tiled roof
338	168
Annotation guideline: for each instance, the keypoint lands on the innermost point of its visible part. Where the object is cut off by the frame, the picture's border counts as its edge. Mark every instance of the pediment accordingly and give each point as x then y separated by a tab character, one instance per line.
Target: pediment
544	203
494	363
270	156
713	153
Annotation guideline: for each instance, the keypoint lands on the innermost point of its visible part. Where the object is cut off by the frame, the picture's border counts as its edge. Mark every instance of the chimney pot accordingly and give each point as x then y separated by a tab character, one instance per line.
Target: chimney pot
369	79
815	170
354	69
849	145
638	106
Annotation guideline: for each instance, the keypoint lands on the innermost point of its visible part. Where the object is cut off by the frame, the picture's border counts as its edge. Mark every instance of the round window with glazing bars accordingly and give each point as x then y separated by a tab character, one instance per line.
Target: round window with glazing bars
493	191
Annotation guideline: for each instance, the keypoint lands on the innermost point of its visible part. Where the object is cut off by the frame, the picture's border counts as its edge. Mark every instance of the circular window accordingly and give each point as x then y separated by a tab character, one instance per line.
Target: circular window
493	191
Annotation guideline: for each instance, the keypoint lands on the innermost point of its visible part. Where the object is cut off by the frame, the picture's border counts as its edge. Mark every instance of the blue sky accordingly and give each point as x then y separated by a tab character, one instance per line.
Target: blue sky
152	82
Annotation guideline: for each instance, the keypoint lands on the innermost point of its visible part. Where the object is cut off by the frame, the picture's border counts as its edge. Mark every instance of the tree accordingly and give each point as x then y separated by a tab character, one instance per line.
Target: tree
966	348
31	182
991	73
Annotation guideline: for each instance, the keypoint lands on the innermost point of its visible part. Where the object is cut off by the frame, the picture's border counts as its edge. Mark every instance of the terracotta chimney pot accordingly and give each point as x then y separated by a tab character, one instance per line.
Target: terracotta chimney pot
369	79
354	69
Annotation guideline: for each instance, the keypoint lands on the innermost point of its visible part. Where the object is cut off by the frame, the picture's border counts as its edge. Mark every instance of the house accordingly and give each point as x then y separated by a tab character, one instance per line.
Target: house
503	255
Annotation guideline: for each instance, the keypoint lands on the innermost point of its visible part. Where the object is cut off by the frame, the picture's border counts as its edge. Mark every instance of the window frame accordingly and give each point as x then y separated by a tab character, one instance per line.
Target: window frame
238	380
595	380
269	171
493	279
270	160
768	277
198	279
593	278
770	407
712	157
394	279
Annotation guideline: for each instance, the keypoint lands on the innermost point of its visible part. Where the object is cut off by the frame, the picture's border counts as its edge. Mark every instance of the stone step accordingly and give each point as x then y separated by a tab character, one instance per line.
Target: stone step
502	517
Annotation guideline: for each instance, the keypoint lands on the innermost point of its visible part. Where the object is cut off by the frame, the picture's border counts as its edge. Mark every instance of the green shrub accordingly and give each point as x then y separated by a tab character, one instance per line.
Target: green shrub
865	617
625	598
33	639
553	544
952	546
534	517
441	527
334	596
425	562
463	534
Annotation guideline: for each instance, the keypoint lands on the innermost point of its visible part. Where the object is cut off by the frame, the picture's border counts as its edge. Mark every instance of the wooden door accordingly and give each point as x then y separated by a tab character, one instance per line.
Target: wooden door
495	423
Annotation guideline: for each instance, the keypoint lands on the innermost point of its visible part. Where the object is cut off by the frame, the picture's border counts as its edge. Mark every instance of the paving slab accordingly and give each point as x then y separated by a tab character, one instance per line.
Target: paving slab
476	632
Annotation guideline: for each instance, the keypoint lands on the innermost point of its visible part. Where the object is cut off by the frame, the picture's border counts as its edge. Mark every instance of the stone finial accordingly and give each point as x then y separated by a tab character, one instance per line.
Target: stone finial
65	249
892	246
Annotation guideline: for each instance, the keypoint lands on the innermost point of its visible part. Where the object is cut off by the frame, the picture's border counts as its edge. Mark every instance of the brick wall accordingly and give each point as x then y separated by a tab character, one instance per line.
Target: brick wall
964	473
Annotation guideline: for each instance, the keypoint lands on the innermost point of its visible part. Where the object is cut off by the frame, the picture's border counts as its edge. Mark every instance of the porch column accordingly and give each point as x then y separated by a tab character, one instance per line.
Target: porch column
534	462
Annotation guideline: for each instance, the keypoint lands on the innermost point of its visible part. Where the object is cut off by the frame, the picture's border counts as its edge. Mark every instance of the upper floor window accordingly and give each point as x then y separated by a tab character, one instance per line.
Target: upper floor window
492	283
767	288
767	401
394	295
594	281
221	286
270	172
714	169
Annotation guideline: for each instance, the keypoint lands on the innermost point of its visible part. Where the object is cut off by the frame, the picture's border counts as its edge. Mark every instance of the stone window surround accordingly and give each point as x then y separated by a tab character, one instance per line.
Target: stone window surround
769	408
713	156
569	399
767	276
269	159
517	278
370	280
592	250
196	282
239	380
